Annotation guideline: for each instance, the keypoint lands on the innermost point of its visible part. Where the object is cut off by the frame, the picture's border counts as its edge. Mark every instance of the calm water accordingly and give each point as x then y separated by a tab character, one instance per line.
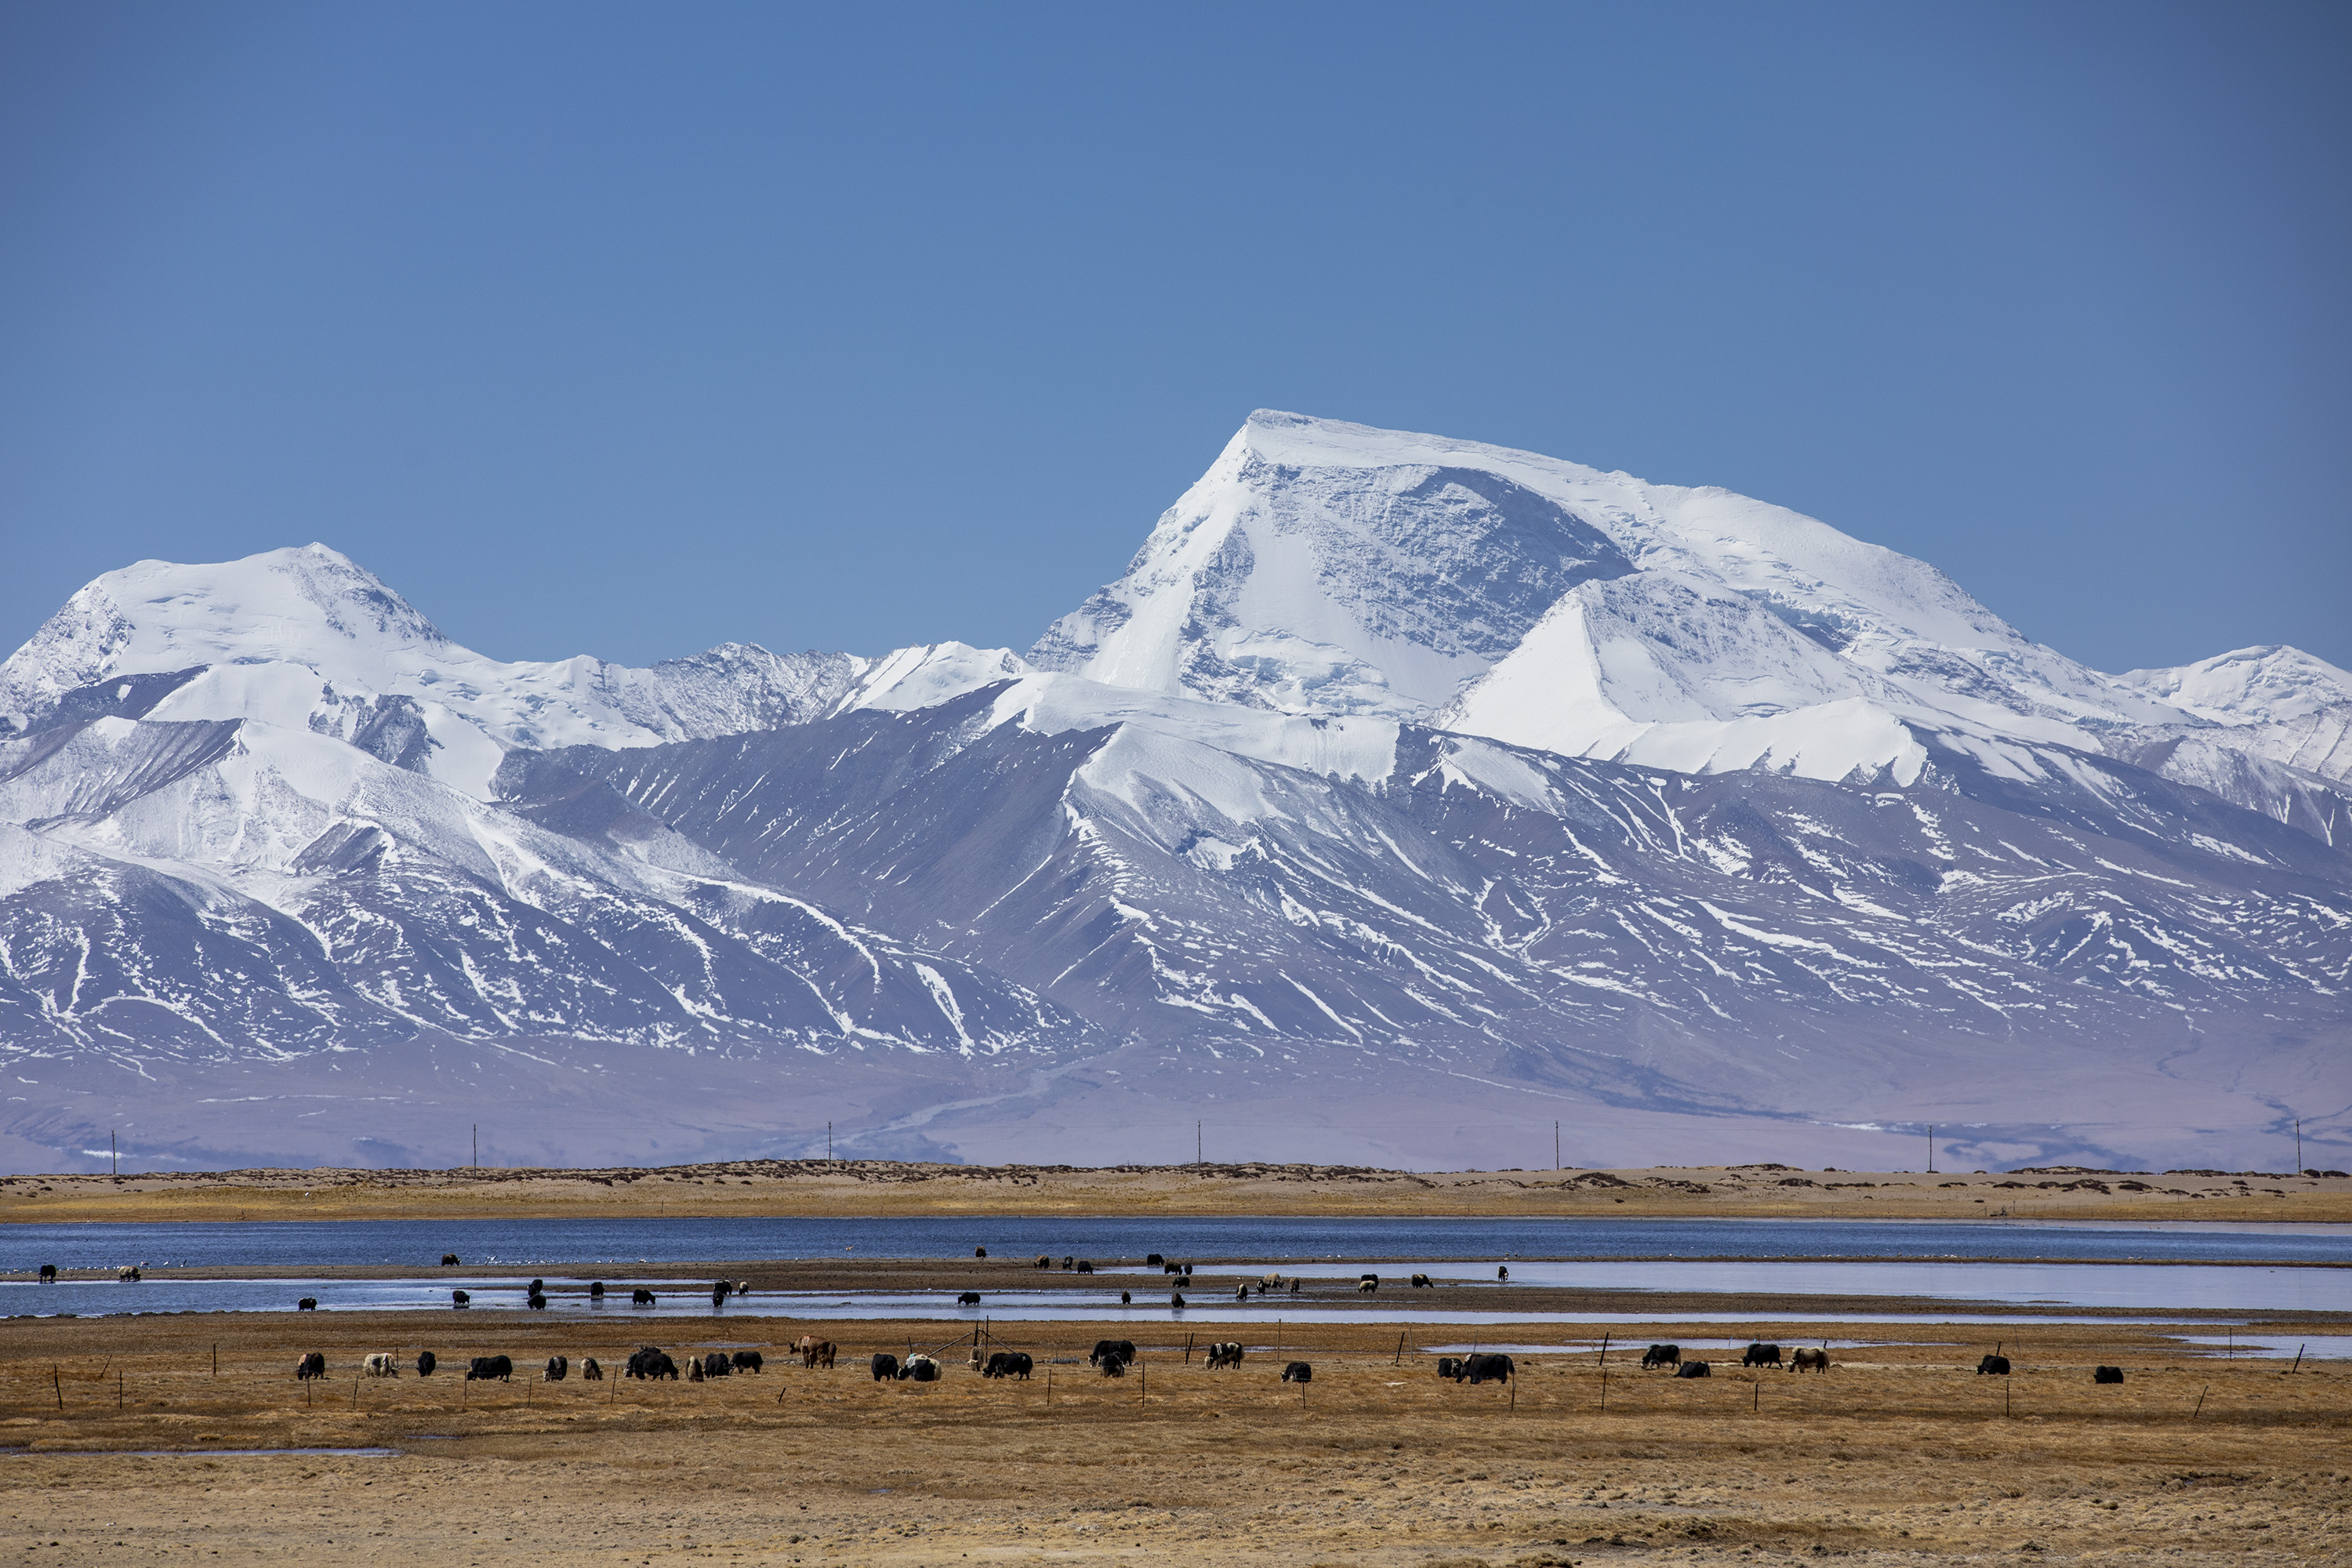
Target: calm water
2210	1268
534	1243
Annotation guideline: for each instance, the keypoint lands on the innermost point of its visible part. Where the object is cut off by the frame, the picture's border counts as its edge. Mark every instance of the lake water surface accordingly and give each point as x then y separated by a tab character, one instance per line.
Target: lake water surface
2144	1270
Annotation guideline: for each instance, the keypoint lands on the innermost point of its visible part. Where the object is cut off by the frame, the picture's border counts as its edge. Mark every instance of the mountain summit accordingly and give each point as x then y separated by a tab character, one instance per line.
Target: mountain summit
1404	790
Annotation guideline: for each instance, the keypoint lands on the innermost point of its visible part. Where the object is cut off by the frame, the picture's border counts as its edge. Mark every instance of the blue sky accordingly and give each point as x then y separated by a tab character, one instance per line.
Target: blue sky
627	330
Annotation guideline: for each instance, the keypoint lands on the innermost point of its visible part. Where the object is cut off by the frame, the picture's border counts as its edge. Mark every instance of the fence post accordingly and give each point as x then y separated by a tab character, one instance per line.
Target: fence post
58	1383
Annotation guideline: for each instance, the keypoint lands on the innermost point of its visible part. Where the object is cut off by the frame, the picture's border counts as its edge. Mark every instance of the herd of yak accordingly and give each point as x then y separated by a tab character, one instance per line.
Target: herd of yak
1111	1358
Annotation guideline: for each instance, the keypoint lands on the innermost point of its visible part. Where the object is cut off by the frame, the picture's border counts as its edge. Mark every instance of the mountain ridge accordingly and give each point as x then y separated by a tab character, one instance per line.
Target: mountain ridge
1391	761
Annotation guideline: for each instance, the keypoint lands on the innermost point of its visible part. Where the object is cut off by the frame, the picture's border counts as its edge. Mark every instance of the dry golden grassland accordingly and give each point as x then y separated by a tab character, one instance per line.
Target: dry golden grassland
1897	1454
889	1188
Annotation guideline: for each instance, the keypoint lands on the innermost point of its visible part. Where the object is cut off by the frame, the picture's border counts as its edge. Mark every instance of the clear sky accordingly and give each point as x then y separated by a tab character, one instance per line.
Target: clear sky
632	329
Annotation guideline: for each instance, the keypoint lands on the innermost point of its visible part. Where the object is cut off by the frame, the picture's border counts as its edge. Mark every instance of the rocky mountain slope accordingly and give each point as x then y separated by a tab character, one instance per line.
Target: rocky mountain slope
1403	791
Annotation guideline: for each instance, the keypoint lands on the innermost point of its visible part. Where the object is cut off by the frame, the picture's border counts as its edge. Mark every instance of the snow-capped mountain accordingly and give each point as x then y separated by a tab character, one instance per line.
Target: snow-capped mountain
305	639
1403	789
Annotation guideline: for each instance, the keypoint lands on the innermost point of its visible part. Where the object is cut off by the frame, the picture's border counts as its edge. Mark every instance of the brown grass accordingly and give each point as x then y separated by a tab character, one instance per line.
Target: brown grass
1899	1451
886	1188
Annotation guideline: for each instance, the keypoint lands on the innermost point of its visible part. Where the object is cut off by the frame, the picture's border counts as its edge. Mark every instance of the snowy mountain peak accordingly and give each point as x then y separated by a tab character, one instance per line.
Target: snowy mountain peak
1324	567
309	640
159	615
2270	684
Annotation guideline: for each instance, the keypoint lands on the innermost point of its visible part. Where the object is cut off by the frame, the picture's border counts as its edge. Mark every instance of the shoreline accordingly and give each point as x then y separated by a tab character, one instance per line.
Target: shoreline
871	1189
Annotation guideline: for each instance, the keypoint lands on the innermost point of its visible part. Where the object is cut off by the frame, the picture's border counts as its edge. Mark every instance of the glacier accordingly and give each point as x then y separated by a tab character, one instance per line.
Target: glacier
1404	795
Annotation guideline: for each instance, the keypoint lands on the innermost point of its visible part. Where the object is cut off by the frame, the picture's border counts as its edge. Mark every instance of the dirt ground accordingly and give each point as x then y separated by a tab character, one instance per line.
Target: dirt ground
1900	1454
888	1188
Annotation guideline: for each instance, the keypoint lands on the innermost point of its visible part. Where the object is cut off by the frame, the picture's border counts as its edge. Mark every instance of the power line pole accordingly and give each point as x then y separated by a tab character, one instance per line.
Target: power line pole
1555	1146
1196	1146
828	1143
115	1160
477	1145
1931	1148
2298	1145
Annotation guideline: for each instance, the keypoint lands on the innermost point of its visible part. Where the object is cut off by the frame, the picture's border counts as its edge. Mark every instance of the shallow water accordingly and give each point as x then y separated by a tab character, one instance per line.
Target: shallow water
2282	1347
2208	1267
535	1243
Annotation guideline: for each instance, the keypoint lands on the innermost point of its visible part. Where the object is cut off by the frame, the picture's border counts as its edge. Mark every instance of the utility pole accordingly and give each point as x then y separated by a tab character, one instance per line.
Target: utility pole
1555	1146
1196	1146
828	1143
1931	1148
477	1145
115	1160
2298	1145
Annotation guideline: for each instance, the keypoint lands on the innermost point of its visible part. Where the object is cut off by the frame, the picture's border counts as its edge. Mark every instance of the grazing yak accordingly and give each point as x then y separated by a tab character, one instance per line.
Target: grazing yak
306	1304
1069	1262
311	1365
538	1288
1367	1282
426	1361
1225	1352
129	1274
1168	1267
720	1292
1488	1367
641	1297
693	1368
1694	1369
648	1362
1086	1265
1450	1367
557	1368
1154	1260
969	1298
1045	1262
1009	1363
1762	1355
538	1303
814	1352
460	1298
589	1372
1176	1298
919	1369
1298	1371
1991	1366
488	1368
448	1260
1109	1349
1420	1282
1661	1356
1241	1291
1503	1275
717	1364
596	1289
381	1365
980	1252
2107	1374
749	1361
48	1273
1125	1299
1819	1360
885	1366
